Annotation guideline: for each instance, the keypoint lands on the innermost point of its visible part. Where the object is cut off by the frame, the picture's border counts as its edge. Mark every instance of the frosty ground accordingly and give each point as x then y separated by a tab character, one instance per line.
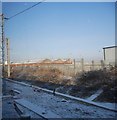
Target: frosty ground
59	106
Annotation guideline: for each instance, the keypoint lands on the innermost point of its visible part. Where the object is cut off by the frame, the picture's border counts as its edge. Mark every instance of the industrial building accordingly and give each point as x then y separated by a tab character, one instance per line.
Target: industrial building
110	55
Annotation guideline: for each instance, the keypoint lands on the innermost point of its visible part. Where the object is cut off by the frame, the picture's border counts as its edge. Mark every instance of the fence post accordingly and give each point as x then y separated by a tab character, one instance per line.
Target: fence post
82	64
92	64
74	66
102	64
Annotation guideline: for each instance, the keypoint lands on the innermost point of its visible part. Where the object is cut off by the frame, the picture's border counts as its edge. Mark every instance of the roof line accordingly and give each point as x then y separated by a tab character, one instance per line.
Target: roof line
109	47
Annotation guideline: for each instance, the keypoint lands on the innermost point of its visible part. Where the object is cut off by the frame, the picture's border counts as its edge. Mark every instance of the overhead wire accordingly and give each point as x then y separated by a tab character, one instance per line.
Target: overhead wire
24	10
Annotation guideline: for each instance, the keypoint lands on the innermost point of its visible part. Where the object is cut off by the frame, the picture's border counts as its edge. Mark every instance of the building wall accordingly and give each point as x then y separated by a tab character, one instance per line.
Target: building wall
109	55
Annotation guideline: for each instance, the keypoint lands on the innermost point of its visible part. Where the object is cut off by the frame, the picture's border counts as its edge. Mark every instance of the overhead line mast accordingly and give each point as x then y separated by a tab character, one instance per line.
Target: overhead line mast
3	38
8	57
3	45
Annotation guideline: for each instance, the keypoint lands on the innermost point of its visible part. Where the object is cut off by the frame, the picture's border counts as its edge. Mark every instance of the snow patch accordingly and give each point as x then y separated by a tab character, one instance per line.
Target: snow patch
92	97
37	109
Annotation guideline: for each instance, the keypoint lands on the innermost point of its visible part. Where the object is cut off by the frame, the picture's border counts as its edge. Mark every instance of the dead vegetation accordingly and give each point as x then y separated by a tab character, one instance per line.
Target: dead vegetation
47	75
88	83
82	85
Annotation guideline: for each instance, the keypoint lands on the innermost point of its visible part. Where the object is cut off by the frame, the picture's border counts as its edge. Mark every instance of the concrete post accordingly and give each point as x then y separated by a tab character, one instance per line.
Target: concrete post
74	66
92	64
102	64
82	64
8	57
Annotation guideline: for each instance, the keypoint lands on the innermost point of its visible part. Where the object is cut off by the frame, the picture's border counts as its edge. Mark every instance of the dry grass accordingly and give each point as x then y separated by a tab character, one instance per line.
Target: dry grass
85	84
88	83
48	75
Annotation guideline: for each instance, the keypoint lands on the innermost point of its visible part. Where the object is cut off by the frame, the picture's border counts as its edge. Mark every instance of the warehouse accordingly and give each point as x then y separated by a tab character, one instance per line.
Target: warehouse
110	55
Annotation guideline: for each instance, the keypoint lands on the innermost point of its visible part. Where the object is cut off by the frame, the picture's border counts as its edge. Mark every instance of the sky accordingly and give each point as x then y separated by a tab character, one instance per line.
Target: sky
59	30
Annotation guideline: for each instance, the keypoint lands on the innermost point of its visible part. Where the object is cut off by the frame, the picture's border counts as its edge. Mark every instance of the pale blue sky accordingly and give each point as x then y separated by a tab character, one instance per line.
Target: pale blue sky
60	30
